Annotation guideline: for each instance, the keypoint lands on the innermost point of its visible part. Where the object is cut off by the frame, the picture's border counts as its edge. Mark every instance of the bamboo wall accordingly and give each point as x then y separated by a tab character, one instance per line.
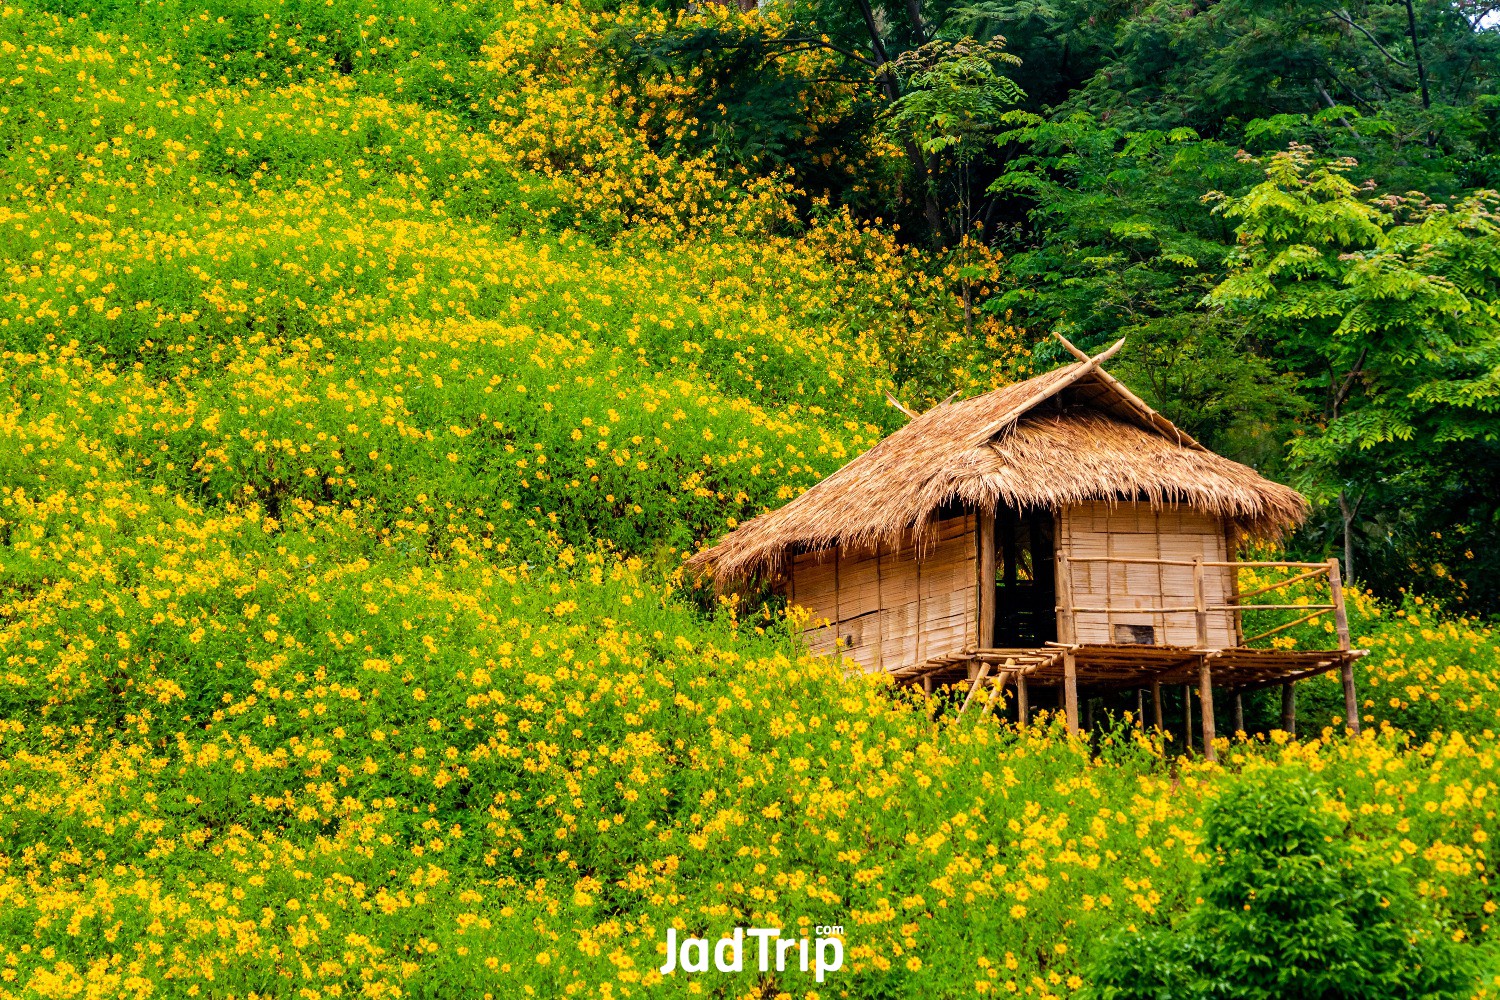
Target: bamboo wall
895	607
1136	530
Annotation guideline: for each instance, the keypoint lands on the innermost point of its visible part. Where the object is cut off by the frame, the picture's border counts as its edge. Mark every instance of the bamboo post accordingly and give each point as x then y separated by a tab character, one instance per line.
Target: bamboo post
1070	691
984	672
1341	623
1200	606
1206	695
1158	717
1140	709
1065	623
1187	718
1231	549
1065	633
927	685
997	686
1289	708
916	554
1023	704
1239	713
879	616
985	626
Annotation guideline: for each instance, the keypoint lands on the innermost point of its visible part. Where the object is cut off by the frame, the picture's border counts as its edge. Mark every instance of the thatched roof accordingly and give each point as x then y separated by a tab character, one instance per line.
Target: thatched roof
1069	435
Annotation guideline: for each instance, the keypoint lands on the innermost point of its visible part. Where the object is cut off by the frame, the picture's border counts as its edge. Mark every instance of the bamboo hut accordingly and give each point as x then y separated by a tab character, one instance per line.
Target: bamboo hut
1055	532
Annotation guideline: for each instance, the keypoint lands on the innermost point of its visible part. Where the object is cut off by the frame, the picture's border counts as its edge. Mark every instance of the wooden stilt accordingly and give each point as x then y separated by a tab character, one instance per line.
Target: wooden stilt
1239	714
1341	623
1157	717
1023	704
1289	708
1140	708
927	685
1187	718
1088	714
979	677
1070	691
996	686
1206	695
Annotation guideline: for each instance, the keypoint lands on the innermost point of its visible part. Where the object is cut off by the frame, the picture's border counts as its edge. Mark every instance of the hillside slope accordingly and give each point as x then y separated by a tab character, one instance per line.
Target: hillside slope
361	397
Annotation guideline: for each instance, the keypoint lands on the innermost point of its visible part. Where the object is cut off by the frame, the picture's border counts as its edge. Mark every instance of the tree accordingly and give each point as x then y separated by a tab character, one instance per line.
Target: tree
953	107
1387	309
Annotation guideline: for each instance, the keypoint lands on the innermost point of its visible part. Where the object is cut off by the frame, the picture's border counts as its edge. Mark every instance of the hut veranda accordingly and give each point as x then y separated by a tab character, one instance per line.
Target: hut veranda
1056	532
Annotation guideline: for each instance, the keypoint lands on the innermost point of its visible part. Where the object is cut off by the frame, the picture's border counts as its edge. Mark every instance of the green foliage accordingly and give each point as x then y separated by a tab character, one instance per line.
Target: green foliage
1289	907
954	103
1386	309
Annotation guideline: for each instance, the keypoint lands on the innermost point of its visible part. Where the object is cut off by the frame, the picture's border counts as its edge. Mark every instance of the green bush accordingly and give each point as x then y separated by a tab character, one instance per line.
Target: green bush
1288	908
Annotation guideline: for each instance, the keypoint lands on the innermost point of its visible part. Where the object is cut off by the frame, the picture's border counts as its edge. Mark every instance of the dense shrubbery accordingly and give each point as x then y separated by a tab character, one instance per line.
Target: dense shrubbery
354	421
1289	906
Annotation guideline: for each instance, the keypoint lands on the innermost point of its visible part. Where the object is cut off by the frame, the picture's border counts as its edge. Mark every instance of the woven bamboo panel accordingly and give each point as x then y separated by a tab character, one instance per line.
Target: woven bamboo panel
1136	531
895	607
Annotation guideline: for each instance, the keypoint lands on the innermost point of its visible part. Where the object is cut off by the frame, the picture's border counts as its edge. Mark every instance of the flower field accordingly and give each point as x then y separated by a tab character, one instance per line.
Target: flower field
364	380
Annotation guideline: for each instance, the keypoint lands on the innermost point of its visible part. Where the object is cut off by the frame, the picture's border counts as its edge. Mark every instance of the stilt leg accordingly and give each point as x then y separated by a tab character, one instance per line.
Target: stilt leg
1239	714
1158	718
1140	709
1023	704
1206	695
1289	708
1070	691
927	685
1088	714
1187	718
997	685
1351	700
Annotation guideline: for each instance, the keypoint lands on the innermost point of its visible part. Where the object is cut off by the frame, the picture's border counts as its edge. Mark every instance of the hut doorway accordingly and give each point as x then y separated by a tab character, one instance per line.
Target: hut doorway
1025	582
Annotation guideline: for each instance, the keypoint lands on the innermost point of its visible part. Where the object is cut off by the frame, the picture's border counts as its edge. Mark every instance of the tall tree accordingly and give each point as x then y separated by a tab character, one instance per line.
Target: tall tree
1387	309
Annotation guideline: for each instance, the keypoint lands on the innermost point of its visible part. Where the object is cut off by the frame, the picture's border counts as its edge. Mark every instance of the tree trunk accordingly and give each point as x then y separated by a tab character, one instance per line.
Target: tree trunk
932	212
918	26
1347	512
1416	53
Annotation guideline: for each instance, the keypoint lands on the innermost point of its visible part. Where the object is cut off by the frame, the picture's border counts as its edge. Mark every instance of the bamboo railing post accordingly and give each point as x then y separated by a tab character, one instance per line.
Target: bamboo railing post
1341	623
1158	717
985	626
1065	623
1206	696
1205	675
1066	634
1289	708
1200	605
1023	703
1231	549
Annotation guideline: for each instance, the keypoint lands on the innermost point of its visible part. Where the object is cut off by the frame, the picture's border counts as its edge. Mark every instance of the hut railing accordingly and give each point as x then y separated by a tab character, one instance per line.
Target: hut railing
1237	603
